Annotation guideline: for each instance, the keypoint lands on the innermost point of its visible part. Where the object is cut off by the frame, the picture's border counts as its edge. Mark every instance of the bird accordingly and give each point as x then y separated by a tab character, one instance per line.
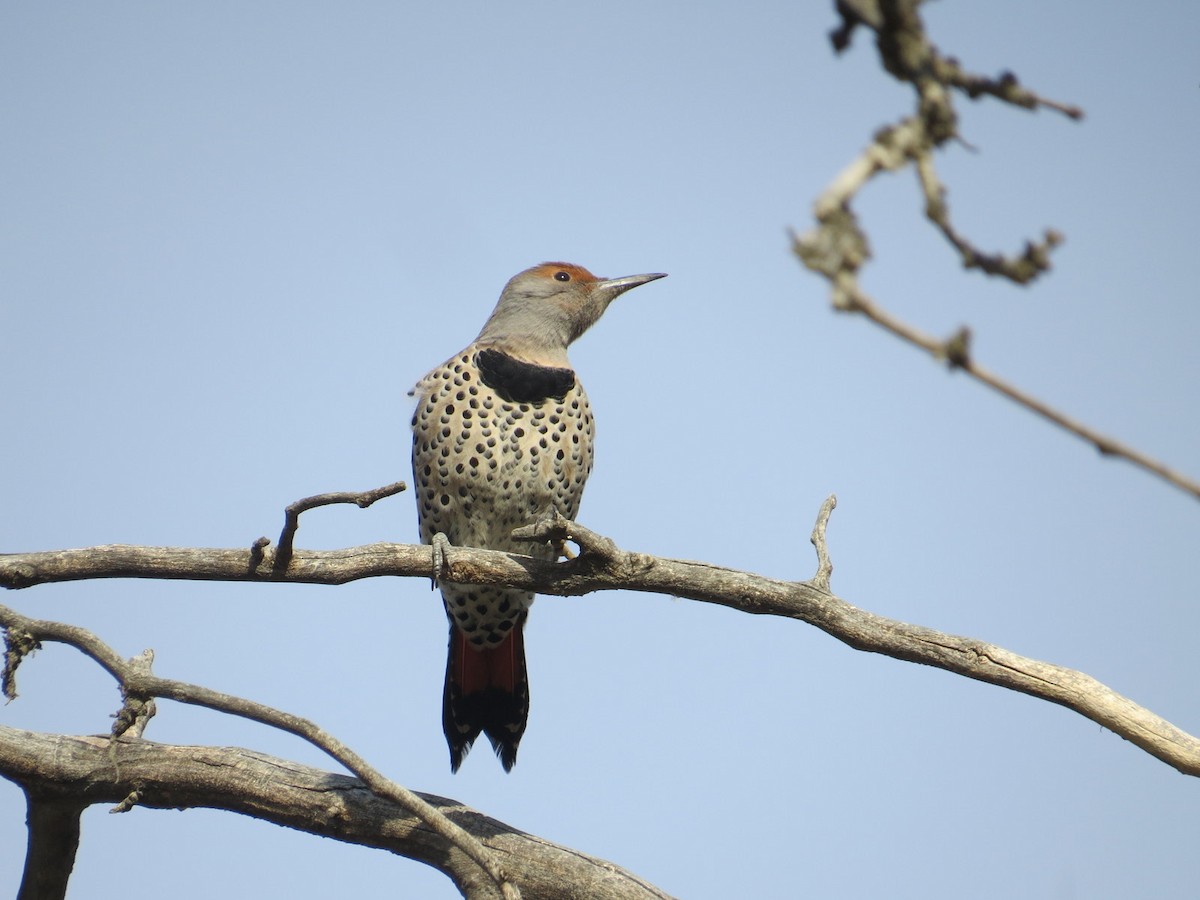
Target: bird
502	436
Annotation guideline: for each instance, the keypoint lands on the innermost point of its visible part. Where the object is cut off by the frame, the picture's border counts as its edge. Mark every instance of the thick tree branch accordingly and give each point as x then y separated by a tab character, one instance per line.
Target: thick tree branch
77	771
53	821
601	565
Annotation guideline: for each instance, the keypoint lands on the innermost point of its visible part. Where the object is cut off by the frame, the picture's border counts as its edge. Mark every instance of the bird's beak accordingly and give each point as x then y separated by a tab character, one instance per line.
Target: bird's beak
614	287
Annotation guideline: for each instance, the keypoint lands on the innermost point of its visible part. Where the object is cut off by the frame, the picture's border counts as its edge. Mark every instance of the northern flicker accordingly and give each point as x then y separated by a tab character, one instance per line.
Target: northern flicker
502	435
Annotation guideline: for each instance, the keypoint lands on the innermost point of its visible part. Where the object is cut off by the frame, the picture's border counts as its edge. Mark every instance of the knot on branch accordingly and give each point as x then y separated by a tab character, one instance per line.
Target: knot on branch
139	707
17	576
133	716
837	245
956	349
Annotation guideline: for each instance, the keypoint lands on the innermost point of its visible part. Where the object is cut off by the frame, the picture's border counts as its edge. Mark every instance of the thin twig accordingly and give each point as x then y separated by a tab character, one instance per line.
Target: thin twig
1006	87
291	515
955	351
1020	269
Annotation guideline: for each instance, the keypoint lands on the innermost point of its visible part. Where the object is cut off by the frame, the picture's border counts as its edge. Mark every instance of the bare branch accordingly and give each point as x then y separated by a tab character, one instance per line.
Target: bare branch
90	769
137	681
601	565
21	570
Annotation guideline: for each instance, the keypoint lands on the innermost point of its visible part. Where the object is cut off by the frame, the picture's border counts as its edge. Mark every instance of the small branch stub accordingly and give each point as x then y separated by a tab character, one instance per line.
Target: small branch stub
824	563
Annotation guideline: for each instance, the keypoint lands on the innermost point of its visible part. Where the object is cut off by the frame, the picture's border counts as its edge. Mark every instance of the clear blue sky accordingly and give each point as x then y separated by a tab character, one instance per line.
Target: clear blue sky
233	235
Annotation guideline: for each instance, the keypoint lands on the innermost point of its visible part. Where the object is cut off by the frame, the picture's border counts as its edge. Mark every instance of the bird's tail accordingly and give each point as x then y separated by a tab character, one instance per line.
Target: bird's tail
487	690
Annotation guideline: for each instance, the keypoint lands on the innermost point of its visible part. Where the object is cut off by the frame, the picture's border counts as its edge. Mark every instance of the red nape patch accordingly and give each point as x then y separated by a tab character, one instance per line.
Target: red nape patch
549	270
497	667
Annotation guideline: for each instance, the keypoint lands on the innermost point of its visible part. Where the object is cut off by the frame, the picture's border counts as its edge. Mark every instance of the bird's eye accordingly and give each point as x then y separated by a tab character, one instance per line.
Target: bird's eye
562	276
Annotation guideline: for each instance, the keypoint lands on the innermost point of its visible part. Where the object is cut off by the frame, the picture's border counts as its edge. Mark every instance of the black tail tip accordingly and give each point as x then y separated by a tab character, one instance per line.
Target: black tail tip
506	752
504	745
458	752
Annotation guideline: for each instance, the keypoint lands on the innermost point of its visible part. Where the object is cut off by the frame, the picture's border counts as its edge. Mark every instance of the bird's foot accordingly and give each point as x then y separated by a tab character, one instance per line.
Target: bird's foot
440	546
549	528
556	530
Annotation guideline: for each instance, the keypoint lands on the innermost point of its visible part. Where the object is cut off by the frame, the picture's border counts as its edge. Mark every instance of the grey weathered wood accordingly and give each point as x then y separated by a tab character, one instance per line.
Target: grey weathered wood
600	566
82	769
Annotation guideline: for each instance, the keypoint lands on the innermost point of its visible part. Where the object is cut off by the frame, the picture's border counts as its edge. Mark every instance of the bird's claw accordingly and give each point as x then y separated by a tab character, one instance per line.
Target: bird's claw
440	545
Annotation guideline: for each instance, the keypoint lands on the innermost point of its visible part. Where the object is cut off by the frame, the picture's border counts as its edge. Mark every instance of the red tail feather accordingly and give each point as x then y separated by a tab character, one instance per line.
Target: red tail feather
487	691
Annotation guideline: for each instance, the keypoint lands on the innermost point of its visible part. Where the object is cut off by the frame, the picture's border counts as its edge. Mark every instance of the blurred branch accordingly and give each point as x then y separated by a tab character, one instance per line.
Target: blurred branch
906	52
908	55
138	685
90	769
601	565
955	351
838	247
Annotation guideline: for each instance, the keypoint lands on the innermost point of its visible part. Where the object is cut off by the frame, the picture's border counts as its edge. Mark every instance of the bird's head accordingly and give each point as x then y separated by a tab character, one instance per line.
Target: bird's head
543	309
